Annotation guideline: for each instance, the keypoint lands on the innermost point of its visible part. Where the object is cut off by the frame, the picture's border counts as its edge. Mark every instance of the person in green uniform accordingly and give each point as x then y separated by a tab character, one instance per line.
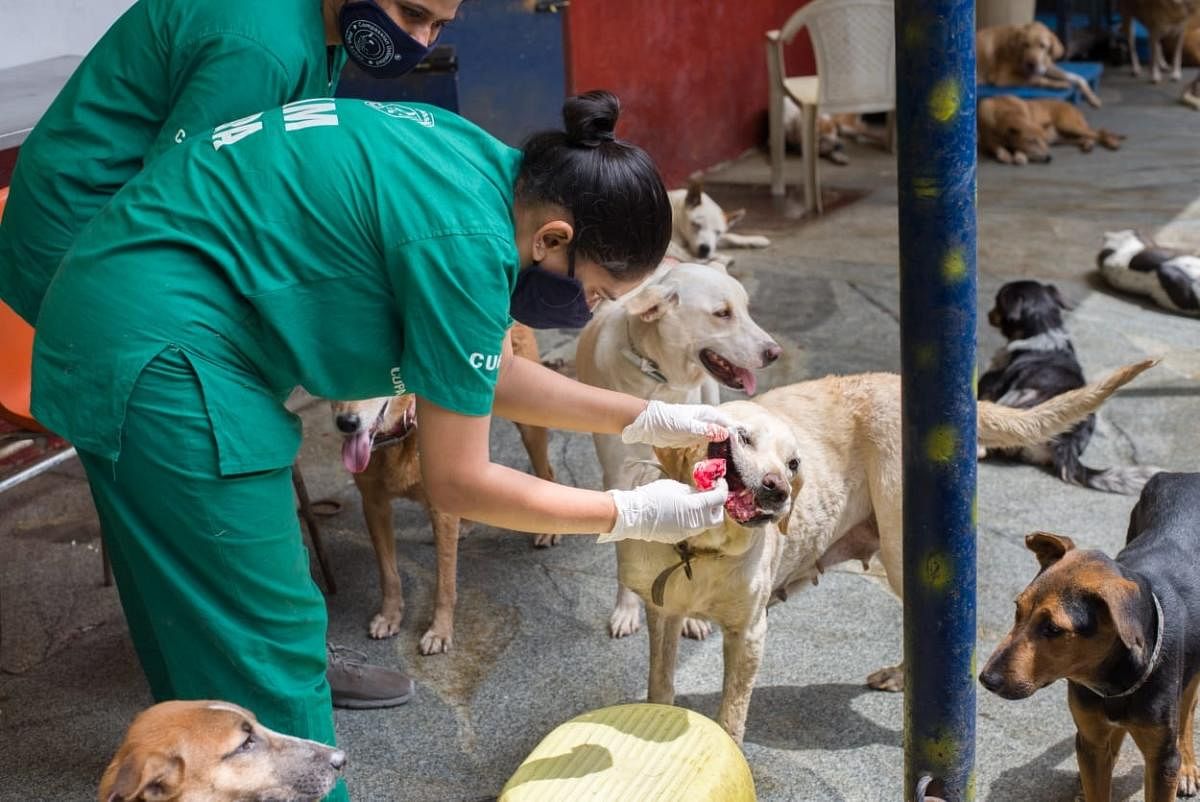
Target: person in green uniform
358	249
166	71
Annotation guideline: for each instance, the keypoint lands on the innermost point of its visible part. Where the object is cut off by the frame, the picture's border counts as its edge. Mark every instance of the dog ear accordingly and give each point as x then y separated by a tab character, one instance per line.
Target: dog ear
734	217
677	462
1048	547
694	192
1117	599
1057	50
797	483
653	302
153	777
1063	303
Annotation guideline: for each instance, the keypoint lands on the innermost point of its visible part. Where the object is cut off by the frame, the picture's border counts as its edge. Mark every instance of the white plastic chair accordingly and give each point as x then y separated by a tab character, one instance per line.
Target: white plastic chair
855	48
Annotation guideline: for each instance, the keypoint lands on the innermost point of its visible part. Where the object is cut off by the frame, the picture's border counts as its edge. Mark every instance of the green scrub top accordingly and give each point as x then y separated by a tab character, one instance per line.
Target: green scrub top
359	249
166	71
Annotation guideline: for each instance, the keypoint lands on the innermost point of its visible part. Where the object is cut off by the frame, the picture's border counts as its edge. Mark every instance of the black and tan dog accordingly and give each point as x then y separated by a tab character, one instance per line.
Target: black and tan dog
1124	634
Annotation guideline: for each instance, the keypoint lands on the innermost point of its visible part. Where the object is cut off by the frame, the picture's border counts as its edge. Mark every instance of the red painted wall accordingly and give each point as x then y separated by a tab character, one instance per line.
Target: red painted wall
692	76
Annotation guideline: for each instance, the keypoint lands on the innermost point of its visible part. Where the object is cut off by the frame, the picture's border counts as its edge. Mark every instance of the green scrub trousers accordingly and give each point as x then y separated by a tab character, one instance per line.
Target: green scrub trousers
212	572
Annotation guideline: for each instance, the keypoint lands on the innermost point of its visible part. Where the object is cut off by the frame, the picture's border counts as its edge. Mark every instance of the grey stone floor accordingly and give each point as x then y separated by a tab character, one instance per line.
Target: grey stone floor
530	646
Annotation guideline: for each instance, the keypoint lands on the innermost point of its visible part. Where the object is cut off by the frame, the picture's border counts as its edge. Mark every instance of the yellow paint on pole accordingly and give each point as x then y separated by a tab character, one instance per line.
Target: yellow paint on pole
926	356
954	266
945	100
935	571
941	444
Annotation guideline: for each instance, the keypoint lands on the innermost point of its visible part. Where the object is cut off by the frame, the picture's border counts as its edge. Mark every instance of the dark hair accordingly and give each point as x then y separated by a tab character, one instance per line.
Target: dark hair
611	188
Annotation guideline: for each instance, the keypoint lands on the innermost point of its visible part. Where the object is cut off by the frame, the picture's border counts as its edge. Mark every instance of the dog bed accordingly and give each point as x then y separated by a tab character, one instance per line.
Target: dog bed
634	753
1090	71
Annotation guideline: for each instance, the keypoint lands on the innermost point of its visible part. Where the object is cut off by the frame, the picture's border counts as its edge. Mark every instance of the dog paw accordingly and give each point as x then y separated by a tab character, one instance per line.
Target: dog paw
887	679
624	622
546	541
1189	780
434	642
385	626
756	241
696	628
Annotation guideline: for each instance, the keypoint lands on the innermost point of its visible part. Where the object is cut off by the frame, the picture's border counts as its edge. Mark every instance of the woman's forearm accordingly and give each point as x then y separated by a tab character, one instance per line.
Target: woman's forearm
502	497
527	392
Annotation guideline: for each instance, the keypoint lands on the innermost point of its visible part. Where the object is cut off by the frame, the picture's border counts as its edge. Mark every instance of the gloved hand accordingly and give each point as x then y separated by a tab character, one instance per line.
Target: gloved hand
675	425
666	511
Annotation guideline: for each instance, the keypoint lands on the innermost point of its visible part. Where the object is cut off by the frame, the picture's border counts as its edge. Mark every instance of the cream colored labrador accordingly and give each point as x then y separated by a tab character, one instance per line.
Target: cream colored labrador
685	330
814	475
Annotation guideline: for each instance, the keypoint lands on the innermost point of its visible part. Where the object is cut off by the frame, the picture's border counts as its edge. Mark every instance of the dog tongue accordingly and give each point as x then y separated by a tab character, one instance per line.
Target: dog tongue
356	452
747	378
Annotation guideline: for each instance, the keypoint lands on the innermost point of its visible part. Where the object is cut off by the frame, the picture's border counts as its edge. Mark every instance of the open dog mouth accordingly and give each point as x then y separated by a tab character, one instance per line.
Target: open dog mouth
741	505
727	373
357	447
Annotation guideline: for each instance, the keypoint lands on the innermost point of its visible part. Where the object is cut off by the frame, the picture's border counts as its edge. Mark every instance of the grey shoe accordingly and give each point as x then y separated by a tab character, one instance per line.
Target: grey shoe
358	685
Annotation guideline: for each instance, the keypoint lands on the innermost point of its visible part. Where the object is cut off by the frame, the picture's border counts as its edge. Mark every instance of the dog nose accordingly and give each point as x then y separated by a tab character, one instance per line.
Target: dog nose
990	680
703	250
773	488
772	353
337	759
348	423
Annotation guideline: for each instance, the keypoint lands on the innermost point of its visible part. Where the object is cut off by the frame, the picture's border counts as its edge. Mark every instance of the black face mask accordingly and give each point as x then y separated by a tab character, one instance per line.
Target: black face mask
377	44
544	299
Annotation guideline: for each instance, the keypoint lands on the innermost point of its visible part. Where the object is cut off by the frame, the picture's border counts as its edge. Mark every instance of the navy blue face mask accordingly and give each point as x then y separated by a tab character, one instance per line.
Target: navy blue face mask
544	299
376	43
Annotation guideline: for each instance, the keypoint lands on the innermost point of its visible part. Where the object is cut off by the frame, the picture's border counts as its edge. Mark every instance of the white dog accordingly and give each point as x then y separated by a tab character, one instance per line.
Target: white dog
700	226
685	329
814	473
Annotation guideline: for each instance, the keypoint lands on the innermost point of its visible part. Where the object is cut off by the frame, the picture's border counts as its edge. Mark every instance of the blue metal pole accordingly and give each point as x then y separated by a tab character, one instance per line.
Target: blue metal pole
936	148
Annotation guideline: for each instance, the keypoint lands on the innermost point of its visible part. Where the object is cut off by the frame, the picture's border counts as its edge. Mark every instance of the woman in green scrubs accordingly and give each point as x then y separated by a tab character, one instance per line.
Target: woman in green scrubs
359	249
168	70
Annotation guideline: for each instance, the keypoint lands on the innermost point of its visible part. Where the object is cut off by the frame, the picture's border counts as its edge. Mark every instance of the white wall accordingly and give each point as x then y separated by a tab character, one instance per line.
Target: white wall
32	30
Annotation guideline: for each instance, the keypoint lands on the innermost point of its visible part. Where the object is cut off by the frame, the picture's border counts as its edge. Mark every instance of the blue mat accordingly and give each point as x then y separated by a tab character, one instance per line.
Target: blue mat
1089	70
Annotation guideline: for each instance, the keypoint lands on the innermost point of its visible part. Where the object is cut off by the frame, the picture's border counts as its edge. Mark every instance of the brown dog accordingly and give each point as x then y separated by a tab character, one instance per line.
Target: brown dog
1016	131
386	466
1024	55
209	751
1121	632
1165	20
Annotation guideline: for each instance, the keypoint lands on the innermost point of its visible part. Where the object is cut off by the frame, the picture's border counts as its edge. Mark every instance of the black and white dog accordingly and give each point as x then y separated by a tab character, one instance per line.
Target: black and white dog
1038	363
1133	263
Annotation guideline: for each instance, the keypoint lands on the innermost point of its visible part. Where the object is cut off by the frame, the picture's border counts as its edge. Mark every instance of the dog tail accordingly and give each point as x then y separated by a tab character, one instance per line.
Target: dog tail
1008	427
1126	481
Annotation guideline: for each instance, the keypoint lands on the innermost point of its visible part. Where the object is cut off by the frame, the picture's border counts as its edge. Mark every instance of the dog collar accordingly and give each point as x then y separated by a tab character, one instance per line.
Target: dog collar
686	553
1158	642
644	364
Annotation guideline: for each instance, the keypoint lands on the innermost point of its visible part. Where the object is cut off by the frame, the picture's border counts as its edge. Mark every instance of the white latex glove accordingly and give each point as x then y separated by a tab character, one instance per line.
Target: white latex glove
666	511
676	425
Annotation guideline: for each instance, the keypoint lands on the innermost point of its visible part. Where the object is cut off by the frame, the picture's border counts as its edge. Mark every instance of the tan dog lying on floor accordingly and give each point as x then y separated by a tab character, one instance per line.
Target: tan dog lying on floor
1016	131
673	339
1024	55
386	466
208	751
819	463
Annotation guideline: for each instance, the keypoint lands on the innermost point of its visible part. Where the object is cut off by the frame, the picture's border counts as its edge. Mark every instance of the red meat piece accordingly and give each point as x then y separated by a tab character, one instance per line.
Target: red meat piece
706	472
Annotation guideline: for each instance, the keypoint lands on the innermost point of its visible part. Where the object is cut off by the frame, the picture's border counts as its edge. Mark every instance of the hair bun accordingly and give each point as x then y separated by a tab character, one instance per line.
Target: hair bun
591	117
